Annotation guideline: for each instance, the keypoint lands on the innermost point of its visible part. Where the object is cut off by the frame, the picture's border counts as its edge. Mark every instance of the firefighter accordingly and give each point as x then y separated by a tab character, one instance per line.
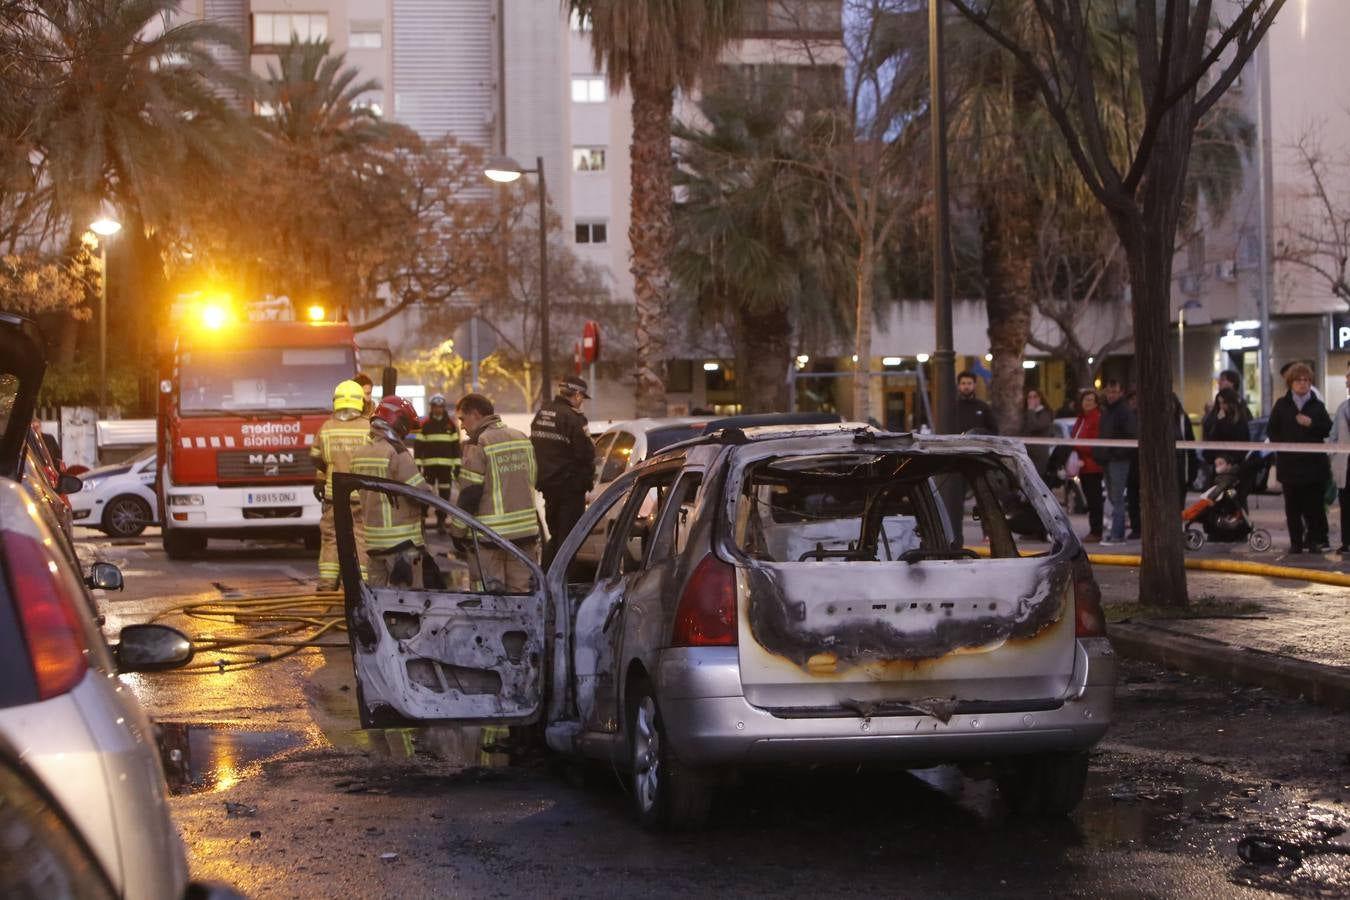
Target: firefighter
496	485
566	457
393	524
344	431
437	451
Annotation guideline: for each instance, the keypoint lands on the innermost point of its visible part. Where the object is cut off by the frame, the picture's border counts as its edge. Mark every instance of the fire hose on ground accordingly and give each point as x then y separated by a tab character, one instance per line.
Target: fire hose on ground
295	622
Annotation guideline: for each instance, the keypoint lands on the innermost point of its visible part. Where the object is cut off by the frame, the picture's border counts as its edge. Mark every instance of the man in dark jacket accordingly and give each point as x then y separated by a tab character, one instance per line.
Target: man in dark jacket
1117	422
1300	418
972	413
436	451
565	457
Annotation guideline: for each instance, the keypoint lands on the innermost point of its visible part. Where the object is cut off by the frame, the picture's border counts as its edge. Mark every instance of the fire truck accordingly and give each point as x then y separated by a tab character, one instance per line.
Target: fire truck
242	393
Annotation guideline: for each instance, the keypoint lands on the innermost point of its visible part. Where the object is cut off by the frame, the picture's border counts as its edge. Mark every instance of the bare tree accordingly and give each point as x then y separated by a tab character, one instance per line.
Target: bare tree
1182	63
1316	238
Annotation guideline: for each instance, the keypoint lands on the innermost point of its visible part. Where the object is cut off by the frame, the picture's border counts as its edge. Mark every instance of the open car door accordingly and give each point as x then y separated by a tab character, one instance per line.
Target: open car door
432	646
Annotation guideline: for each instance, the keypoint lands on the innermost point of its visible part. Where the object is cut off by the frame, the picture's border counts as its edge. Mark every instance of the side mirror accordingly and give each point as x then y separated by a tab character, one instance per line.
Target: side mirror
149	648
389	381
104	576
69	484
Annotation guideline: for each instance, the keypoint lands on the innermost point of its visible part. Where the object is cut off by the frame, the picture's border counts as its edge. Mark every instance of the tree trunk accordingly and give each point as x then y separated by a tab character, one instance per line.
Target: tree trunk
862	340
651	234
1007	235
763	353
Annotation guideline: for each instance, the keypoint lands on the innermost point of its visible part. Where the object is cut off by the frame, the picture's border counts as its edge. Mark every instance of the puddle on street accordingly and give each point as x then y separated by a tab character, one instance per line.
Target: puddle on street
210	757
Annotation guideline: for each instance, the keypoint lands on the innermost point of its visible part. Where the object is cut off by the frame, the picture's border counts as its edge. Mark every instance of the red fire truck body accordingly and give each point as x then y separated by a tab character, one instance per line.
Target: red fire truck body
239	406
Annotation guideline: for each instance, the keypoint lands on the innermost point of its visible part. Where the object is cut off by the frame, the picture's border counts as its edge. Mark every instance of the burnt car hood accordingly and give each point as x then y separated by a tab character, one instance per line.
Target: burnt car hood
22	364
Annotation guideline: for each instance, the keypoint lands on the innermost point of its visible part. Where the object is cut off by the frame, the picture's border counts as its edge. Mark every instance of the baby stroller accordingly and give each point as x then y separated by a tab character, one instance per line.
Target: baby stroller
1218	516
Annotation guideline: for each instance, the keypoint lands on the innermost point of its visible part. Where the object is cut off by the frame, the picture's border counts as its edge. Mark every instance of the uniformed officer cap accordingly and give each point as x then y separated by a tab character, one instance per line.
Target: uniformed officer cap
574	385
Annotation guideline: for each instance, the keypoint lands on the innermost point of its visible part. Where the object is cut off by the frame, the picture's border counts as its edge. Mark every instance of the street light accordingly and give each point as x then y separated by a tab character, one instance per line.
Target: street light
504	170
105	227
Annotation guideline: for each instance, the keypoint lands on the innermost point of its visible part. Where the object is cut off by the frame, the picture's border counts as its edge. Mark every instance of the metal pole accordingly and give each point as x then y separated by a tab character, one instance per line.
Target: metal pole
1263	201
103	327
944	355
1181	353
546	368
473	349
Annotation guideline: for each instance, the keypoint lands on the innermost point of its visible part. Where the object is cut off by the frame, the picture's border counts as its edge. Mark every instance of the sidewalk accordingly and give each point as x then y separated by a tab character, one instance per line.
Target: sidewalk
1286	635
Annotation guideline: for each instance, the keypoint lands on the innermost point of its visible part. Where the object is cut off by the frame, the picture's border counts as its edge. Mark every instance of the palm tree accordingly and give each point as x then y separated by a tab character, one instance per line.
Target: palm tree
654	47
311	99
752	242
137	108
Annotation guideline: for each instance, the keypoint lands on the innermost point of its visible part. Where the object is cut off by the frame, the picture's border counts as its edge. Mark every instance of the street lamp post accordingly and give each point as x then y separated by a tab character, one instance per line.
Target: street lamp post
105	228
944	354
505	170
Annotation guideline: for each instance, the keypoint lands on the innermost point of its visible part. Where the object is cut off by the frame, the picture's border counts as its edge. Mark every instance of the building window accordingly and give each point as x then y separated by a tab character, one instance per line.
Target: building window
588	159
592	233
588	89
366	34
282	28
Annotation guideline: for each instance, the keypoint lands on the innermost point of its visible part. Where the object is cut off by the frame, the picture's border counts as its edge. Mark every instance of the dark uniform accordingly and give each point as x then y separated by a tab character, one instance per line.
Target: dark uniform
436	452
565	457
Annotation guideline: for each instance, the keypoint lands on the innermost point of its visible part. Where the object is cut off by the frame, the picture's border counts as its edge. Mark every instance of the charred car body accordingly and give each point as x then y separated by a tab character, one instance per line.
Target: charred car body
770	596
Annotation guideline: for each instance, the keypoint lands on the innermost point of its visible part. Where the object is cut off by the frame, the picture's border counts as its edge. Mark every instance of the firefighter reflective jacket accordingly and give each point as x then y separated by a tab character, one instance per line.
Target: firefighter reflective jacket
389	520
565	452
436	449
496	480
333	446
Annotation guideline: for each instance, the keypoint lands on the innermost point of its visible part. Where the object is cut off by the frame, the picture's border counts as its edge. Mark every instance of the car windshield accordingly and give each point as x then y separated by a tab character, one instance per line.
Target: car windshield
262	378
659	439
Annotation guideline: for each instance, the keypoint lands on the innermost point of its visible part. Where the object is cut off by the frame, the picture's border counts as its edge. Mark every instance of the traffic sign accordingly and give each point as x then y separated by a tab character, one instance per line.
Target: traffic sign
475	340
590	341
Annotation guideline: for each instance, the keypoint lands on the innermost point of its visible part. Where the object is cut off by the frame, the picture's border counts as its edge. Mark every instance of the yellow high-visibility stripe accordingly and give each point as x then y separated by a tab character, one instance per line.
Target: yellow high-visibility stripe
471	476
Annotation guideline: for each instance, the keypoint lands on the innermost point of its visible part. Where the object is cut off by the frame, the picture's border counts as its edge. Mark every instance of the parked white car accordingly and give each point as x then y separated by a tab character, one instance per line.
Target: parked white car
118	500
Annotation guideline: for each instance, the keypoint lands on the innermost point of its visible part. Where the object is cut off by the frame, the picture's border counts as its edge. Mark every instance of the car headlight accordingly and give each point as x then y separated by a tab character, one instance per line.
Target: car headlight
185	500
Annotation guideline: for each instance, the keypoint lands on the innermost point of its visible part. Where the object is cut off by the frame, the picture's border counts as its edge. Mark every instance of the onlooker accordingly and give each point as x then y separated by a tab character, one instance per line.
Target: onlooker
1299	417
1038	420
1228	421
1340	465
1117	422
973	415
368	388
1088	425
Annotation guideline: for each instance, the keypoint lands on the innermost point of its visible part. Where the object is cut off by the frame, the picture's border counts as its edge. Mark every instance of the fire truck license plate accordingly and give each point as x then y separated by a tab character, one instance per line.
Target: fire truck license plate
271	498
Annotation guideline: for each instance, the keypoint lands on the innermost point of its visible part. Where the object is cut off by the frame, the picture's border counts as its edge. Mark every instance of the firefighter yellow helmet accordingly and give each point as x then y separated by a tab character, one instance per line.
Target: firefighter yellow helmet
348	395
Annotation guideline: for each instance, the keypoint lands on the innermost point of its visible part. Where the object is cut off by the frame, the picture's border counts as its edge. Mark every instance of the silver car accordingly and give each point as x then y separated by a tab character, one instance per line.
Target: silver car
771	596
77	730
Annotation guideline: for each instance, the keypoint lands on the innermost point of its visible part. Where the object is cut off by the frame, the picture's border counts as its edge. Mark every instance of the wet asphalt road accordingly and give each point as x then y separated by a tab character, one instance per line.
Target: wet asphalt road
281	794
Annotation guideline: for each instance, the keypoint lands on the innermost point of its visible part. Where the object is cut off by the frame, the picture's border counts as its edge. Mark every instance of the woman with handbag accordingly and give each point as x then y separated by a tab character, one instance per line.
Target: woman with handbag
1088	470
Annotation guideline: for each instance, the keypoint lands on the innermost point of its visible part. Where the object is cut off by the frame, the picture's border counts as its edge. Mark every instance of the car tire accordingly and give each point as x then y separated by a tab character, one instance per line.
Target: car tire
1047	785
179	545
126	516
667	795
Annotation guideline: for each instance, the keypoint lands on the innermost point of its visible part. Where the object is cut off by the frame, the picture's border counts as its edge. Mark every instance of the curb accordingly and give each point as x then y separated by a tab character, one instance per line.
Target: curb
1323	685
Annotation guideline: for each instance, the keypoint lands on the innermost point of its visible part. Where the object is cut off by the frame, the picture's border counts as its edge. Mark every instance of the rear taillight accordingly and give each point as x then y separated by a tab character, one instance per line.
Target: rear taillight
48	614
706	614
1088	618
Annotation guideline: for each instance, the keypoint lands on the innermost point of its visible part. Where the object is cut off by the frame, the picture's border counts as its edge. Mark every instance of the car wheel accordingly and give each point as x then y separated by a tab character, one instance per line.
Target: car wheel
178	545
126	516
667	796
1050	785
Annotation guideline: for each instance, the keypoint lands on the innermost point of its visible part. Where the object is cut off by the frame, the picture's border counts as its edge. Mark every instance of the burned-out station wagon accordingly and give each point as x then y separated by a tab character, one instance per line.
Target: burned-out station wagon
770	596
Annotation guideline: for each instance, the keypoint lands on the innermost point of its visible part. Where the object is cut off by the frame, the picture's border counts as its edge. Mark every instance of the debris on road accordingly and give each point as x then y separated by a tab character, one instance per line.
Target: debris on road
240	810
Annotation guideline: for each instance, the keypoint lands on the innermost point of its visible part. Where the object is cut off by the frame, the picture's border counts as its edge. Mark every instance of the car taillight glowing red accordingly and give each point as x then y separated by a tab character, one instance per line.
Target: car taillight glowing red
1088	618
706	614
47	614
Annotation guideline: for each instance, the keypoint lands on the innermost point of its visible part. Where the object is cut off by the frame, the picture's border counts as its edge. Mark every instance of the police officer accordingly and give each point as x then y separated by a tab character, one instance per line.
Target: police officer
496	485
566	458
344	431
436	451
393	524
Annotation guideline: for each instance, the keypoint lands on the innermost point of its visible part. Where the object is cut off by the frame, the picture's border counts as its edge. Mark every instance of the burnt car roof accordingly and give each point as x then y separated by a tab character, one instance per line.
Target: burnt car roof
847	436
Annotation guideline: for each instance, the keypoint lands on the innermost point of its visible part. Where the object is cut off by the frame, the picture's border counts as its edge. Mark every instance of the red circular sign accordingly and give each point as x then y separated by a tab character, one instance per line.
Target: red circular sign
590	341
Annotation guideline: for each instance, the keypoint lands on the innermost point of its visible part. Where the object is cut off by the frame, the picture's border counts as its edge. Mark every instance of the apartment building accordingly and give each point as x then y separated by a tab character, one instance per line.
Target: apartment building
1289	93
